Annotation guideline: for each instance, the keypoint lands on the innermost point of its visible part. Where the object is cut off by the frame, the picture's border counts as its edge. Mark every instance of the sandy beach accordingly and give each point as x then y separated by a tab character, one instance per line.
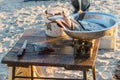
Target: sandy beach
16	16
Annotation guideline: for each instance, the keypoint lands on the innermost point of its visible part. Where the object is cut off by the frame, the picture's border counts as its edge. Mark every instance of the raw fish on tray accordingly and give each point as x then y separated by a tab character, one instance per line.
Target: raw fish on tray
72	24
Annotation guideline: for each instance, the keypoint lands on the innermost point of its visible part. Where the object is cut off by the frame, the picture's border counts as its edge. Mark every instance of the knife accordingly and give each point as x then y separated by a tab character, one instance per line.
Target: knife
22	50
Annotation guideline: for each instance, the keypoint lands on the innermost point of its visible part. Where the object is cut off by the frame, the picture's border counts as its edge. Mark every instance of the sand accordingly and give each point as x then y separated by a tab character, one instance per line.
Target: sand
17	16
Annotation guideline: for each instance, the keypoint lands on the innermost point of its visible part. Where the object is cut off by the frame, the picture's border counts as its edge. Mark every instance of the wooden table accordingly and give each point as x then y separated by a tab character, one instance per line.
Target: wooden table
63	55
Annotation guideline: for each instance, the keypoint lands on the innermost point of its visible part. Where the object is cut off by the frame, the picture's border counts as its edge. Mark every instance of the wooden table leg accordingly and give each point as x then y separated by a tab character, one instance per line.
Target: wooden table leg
11	73
94	73
32	73
84	75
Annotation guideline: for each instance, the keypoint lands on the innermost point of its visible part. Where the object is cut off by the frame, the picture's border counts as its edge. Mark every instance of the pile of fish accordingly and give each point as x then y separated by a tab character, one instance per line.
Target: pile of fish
77	24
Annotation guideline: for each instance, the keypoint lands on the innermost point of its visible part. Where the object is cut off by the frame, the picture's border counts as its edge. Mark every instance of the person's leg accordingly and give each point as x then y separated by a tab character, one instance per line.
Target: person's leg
75	5
85	4
84	7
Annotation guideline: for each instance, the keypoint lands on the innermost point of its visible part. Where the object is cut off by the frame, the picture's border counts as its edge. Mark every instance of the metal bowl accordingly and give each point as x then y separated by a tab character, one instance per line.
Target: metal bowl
108	20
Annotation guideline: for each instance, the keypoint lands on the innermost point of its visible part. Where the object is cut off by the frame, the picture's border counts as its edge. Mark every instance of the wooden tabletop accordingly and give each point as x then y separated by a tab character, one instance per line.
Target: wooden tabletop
62	56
